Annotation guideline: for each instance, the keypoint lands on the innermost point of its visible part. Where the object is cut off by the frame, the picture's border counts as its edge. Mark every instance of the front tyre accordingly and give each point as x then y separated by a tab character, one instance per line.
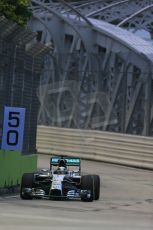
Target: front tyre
87	184
27	181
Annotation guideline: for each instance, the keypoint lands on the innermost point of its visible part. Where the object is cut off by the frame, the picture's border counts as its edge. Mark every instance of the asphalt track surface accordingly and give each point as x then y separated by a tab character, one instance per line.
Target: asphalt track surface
126	203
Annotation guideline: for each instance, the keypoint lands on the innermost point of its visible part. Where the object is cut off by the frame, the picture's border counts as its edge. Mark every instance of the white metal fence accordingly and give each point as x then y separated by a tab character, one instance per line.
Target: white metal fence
123	149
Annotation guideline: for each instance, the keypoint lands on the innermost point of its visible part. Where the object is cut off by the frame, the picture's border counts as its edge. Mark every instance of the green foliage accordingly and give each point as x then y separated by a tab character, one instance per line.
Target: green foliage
15	10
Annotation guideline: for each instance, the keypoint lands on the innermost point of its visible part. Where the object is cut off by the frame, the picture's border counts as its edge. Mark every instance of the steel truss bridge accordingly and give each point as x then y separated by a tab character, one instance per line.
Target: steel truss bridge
98	73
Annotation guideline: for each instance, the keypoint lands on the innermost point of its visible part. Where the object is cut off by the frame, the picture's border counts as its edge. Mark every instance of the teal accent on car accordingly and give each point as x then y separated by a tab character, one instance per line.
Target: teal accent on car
70	161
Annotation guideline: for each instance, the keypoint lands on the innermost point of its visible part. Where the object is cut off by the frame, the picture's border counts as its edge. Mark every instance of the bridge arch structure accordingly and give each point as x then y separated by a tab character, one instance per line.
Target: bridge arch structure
98	73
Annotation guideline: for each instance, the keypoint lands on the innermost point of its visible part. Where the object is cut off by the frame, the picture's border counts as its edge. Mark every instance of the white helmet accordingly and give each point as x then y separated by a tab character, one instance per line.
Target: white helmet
62	170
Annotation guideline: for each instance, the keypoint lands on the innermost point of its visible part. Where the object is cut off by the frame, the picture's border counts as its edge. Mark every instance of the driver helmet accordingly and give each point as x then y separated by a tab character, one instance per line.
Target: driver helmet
62	170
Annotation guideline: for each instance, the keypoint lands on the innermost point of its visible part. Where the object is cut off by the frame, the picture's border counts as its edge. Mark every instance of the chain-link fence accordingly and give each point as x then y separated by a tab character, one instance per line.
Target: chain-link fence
20	66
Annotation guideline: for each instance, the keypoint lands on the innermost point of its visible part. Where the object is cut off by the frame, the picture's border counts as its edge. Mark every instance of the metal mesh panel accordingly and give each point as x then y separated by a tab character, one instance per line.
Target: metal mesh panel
19	76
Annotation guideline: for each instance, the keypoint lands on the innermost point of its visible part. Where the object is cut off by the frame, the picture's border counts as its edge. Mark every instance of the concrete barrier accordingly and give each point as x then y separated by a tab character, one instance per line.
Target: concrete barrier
117	148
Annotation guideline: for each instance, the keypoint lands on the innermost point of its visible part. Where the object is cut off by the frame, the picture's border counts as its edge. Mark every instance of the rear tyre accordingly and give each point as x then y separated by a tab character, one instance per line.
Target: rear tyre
96	179
27	181
87	183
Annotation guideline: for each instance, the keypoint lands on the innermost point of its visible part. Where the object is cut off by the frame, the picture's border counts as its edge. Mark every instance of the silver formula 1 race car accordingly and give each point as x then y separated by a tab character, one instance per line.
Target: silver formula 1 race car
61	183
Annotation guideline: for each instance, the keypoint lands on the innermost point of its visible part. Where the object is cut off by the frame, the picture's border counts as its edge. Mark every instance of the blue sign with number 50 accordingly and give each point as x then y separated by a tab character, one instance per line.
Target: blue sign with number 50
13	128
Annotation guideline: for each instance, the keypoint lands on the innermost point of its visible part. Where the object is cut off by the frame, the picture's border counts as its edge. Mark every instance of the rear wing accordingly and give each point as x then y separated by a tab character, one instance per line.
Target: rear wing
70	161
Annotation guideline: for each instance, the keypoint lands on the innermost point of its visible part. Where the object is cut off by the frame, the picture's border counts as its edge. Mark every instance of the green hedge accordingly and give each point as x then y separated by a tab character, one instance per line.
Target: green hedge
13	164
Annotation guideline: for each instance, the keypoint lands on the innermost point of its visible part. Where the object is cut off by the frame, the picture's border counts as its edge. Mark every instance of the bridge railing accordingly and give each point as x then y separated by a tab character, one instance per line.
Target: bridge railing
116	148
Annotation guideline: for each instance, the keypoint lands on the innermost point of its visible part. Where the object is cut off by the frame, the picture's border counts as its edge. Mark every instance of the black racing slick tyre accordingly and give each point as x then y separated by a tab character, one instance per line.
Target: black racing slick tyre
96	179
27	181
87	183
